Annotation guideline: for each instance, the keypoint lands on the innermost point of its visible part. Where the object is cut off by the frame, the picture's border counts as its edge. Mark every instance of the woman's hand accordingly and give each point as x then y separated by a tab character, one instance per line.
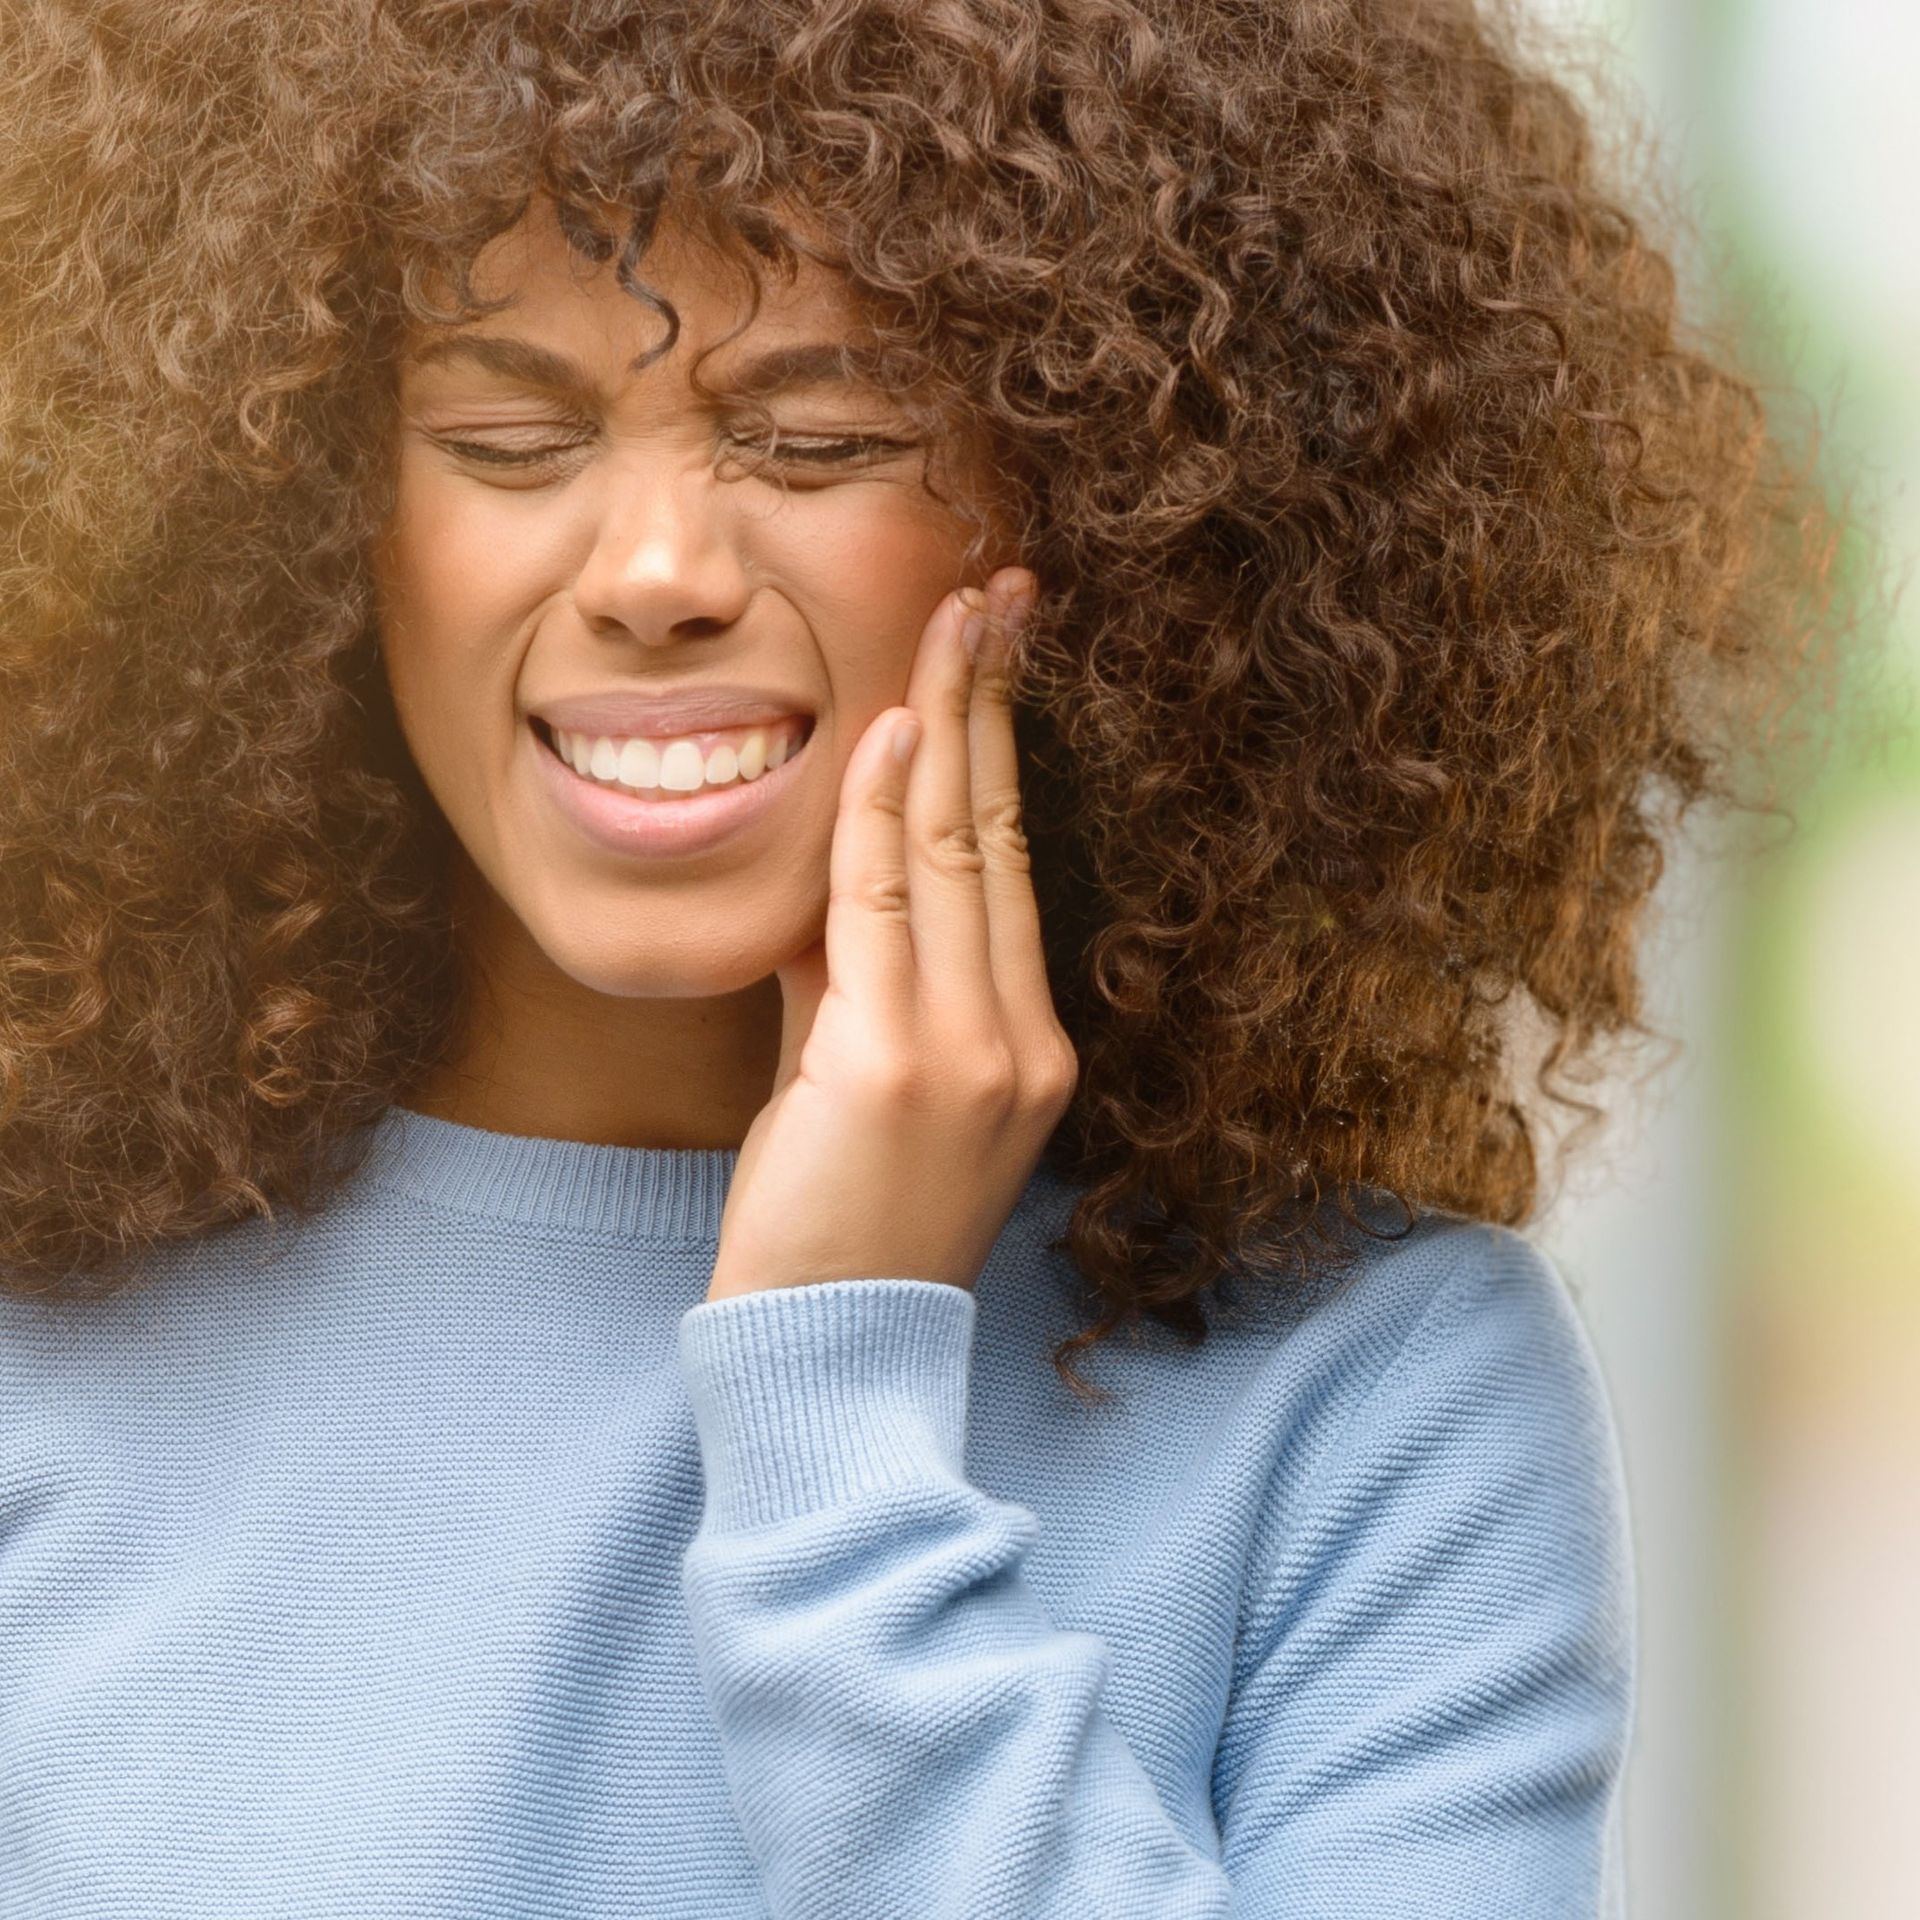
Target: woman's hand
922	1066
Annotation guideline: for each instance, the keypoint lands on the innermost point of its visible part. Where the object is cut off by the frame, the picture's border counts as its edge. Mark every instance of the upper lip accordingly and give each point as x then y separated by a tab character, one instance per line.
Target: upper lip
687	710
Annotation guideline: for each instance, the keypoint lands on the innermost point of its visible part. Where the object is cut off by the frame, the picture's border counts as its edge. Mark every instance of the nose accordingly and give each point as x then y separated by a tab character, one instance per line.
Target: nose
665	565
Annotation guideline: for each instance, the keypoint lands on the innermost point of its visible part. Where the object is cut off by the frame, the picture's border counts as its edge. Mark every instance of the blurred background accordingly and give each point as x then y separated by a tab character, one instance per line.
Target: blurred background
1745	1243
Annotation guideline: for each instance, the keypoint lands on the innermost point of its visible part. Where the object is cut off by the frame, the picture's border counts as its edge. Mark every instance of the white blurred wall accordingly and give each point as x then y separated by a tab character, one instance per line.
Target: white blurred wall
1638	1237
1758	1343
1637	1234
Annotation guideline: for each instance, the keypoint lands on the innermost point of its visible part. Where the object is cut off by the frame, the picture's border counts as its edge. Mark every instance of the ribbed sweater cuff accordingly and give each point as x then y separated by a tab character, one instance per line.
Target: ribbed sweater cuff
807	1396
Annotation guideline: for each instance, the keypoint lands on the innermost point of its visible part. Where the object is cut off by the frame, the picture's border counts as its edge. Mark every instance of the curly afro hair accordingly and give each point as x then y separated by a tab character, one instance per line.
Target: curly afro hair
1408	568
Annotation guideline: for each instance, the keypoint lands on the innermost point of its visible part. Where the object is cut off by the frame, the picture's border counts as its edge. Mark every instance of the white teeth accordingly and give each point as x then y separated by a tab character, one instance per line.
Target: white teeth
639	764
681	768
674	766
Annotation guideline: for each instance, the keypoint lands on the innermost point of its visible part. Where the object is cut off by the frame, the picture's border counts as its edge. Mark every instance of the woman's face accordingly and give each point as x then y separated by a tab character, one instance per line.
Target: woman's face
571	543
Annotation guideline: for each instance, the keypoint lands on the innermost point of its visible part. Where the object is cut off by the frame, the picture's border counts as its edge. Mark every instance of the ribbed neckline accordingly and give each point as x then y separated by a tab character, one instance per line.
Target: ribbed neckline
656	1195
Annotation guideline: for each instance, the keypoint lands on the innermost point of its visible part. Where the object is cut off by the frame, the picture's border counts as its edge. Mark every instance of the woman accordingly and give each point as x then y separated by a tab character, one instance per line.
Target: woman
543	1161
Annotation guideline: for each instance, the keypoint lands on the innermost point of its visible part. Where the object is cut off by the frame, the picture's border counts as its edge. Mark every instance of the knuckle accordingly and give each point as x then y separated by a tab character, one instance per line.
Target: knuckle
888	1080
889	801
1001	830
885	894
956	848
1057	1075
992	681
988	1078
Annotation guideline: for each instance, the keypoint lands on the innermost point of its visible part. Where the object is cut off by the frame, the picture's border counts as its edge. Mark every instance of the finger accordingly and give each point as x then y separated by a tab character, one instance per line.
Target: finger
948	912
1016	952
803	985
869	938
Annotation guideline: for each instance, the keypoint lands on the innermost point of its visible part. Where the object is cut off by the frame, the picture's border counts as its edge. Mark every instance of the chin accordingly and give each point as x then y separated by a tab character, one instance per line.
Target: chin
670	968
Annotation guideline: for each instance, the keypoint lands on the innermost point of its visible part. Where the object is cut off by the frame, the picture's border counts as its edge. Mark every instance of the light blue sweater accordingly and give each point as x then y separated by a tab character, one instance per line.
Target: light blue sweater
449	1554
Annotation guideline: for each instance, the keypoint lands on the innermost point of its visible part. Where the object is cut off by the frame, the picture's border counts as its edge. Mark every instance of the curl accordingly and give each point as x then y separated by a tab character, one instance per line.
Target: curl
1409	567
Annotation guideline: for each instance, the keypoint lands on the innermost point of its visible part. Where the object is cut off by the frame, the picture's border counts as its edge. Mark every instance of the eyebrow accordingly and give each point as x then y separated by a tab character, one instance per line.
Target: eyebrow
812	363
515	359
803	364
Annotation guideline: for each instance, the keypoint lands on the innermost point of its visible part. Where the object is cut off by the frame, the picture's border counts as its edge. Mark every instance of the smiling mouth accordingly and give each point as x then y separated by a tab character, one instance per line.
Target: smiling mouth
678	768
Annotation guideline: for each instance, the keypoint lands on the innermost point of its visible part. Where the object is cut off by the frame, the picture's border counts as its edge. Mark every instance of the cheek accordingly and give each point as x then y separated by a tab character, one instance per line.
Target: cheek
445	569
875	572
457	579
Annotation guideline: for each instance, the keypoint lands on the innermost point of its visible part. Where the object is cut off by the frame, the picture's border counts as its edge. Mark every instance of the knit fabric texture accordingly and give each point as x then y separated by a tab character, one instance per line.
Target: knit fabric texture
446	1553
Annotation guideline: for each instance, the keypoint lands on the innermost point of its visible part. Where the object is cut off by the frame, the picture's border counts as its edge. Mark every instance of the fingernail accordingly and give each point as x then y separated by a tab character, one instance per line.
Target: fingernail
971	632
906	736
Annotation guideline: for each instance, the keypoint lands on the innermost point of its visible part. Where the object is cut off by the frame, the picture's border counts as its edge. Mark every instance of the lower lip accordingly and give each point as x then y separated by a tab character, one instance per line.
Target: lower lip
630	823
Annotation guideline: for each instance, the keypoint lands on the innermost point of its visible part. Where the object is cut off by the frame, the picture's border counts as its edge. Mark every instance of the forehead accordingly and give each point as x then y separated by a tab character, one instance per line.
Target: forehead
805	329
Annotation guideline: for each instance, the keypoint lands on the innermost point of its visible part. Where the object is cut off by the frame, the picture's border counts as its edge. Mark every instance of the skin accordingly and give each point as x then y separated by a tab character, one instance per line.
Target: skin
888	1065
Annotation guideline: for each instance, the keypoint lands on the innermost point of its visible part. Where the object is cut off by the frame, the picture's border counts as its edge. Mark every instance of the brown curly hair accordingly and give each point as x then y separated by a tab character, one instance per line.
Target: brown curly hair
1405	570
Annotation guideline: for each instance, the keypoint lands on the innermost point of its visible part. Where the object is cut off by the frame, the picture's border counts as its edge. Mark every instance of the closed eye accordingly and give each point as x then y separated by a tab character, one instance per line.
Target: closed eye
780	454
491	453
814	452
826	451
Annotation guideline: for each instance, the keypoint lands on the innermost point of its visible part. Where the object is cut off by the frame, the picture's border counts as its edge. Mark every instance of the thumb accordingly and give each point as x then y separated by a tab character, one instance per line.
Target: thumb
803	985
